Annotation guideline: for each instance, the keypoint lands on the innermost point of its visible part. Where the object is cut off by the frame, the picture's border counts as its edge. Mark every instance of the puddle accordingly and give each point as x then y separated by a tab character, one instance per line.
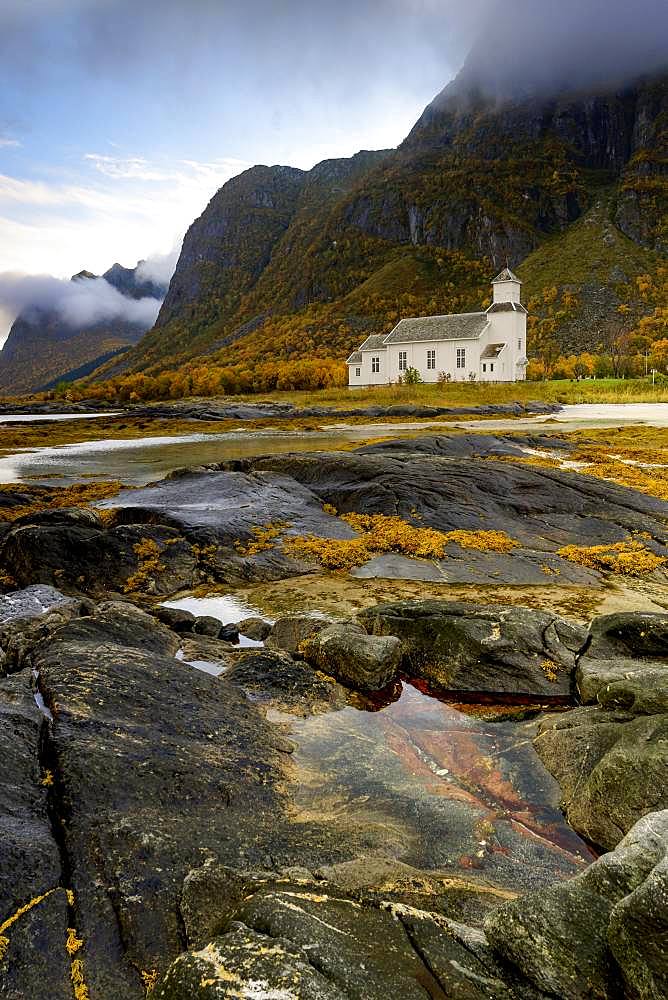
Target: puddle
435	788
206	666
227	608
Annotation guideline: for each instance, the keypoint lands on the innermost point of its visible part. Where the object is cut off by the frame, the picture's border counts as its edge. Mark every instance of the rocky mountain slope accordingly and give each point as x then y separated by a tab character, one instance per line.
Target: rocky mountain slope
43	348
285	264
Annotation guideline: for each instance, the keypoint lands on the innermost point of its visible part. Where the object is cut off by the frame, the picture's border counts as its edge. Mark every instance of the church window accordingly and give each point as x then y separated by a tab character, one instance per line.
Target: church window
519	345
375	365
491	368
358	372
484	368
431	359
403	361
461	357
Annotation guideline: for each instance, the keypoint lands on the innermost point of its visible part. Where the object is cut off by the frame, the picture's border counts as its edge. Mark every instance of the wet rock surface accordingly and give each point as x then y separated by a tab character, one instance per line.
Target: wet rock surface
157	763
572	939
611	767
625	663
214	410
461	647
346	652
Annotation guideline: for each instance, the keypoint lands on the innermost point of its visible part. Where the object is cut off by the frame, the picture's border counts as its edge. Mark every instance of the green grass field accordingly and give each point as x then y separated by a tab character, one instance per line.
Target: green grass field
466	394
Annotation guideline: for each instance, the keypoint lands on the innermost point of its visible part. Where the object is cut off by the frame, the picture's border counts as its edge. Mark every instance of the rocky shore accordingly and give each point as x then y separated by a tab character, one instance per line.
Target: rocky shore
216	410
359	805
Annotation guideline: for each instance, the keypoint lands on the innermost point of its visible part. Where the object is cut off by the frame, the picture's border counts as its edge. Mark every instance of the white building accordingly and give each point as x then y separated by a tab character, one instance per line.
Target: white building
485	346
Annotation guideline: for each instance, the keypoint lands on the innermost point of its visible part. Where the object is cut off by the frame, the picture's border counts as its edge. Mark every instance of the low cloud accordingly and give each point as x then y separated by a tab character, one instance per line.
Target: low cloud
79	303
158	268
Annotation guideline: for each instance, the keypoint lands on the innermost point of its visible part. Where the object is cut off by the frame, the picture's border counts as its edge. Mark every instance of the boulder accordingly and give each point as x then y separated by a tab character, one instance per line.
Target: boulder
363	662
175	618
289	631
625	663
207	625
276	937
92	559
638	934
611	768
229	633
254	628
274	678
561	938
204	649
493	650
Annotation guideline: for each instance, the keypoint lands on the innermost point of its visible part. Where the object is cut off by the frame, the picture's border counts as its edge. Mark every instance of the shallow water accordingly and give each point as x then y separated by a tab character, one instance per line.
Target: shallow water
437	788
144	460
29	418
425	782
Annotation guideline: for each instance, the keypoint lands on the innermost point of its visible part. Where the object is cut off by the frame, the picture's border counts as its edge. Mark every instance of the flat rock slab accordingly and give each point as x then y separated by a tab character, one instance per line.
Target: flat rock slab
497	650
541	508
31	602
470	566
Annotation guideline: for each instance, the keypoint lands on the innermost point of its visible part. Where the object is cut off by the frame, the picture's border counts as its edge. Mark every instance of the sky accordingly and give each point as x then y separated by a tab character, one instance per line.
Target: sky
119	119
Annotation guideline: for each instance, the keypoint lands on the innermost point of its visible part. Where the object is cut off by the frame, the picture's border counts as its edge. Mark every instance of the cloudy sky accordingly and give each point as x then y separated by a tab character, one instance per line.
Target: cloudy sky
120	118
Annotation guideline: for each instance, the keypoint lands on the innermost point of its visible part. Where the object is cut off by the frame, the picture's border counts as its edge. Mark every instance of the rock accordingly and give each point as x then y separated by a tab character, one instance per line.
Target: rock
610	767
19	638
290	631
203	649
248	964
207	625
346	652
271	936
625	663
32	602
91	559
494	650
558	938
36	965
275	678
642	692
541	508
229	633
638	935
29	860
254	628
158	766
176	619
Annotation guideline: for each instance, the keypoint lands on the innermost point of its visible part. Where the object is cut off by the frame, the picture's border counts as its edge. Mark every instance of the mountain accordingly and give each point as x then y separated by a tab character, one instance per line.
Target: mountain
286	264
46	345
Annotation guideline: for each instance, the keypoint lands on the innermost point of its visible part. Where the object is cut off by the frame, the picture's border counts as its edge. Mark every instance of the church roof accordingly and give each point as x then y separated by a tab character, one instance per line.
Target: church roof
492	351
375	342
506	275
355	358
458	326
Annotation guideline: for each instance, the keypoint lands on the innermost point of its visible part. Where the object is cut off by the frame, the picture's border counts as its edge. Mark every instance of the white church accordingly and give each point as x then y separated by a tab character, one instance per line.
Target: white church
485	346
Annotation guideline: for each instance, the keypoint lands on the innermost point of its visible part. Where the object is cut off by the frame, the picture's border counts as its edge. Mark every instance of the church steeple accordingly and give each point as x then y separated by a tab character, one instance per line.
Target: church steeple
507	286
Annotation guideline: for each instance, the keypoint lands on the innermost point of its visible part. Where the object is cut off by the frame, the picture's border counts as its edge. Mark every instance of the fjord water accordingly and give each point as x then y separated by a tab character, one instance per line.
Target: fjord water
142	460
